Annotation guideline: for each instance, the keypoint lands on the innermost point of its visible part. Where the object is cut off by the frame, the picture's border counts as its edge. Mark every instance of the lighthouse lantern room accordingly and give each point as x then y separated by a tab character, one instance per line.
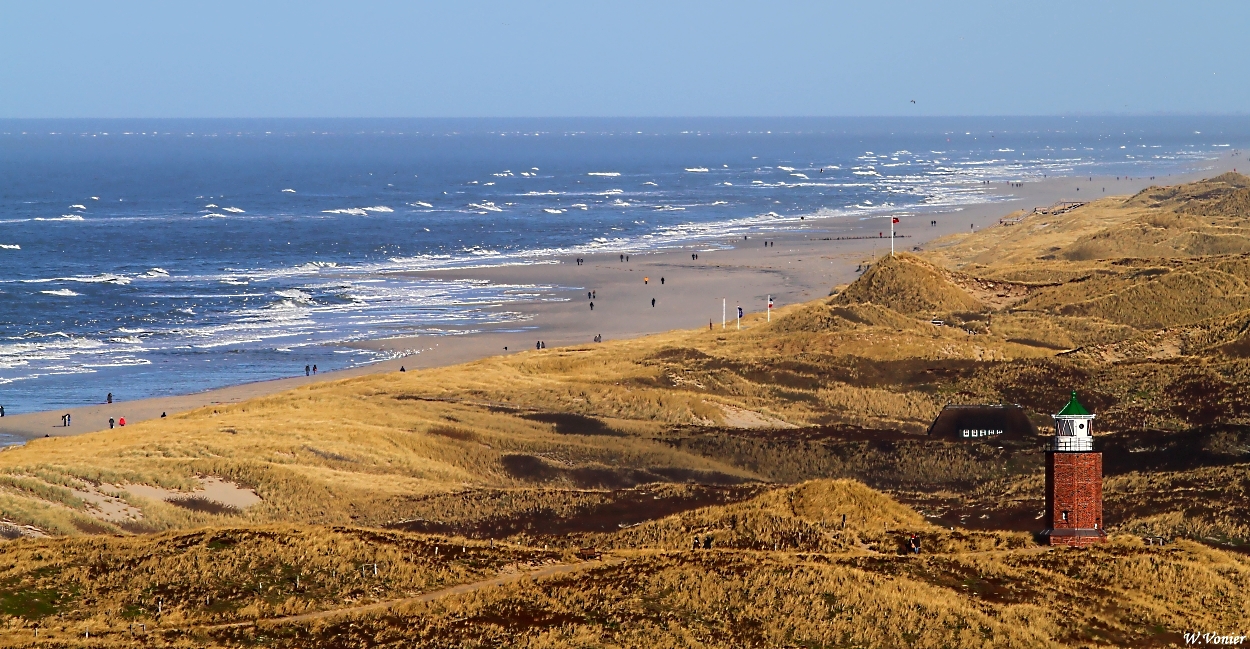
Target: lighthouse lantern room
1073	480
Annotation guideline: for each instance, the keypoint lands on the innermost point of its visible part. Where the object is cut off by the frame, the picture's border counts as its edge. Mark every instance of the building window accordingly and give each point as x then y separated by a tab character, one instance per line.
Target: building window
1065	515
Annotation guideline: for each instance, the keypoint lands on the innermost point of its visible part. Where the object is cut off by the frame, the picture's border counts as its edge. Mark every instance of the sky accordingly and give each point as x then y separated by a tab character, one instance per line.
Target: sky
620	59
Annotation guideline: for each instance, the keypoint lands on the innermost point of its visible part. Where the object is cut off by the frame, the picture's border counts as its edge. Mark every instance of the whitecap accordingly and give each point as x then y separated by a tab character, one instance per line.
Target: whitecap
10	246
377	208
786	168
803	176
651	183
213	215
420	204
551	211
289	191
63	217
78	207
232	210
62	292
488	206
609	174
211	206
697	170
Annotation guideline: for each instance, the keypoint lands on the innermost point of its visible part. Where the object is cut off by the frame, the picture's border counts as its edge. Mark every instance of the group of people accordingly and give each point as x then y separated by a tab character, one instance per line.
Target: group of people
540	345
310	370
580	261
65	420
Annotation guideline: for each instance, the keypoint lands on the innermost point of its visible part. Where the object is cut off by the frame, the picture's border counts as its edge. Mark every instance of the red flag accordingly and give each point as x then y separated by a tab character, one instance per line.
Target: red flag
895	220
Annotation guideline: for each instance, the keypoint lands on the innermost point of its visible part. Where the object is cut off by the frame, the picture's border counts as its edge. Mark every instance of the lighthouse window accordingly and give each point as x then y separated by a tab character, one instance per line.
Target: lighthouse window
1081	426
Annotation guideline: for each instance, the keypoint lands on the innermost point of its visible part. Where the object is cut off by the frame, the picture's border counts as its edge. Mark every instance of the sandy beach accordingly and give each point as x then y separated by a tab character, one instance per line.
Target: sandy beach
797	265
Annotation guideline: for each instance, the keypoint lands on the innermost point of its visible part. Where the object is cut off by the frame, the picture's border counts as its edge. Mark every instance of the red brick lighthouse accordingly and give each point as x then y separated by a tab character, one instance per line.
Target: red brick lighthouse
1073	480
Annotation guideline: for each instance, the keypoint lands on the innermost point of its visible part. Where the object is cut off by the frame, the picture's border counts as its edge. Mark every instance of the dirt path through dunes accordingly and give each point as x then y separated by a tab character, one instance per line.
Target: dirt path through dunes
548	571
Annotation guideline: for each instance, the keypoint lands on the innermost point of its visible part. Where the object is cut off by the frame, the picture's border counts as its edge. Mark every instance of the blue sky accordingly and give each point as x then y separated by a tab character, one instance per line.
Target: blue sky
511	59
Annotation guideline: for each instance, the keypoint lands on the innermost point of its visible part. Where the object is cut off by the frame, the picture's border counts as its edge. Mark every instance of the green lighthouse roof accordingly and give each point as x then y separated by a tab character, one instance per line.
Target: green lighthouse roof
1074	407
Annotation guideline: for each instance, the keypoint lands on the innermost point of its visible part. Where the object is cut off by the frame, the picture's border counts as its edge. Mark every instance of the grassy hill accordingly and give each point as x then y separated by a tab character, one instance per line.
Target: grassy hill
756	441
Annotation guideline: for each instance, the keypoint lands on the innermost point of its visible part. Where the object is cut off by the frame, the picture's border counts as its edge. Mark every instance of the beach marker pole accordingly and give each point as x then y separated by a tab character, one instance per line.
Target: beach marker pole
770	308
893	220
739	318
722	312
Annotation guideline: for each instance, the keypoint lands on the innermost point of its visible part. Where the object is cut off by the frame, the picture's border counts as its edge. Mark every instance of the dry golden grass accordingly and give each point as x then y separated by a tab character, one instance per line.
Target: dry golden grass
1141	303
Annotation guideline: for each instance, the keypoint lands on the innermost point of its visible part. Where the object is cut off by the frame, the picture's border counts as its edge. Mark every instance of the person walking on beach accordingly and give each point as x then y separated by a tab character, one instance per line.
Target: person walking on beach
652	303
314	370
661	281
1	411
307	371
109	399
592	306
111	422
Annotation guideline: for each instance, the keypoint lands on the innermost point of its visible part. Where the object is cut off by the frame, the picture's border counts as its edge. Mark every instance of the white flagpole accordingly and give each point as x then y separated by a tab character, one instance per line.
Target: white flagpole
739	318
723	301
891	235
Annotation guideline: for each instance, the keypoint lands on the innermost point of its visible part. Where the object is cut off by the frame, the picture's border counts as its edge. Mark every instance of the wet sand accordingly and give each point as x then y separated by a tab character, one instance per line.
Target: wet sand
804	263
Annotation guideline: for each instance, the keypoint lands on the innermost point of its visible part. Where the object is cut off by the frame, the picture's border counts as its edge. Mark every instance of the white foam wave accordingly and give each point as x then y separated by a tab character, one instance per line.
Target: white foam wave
78	207
103	278
697	170
232	210
63	217
551	211
289	191
607	174
215	216
9	246
420	204
62	292
486	206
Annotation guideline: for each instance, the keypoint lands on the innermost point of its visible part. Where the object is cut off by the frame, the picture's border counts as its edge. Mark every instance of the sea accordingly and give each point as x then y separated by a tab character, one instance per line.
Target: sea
156	257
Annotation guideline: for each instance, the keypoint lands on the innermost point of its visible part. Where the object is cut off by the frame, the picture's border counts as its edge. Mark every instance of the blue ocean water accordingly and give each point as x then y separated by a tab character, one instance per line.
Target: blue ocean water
155	257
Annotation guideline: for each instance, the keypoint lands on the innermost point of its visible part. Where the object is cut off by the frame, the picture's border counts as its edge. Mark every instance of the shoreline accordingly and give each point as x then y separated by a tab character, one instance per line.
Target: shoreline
804	262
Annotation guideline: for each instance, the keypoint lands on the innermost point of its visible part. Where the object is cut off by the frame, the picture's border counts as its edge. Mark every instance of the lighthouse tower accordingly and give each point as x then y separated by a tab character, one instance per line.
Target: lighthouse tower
1073	480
